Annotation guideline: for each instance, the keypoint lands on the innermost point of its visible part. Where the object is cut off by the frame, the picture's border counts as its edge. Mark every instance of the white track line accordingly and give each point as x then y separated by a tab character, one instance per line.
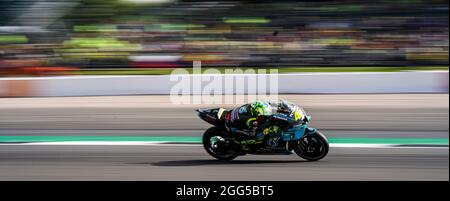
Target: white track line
109	143
163	143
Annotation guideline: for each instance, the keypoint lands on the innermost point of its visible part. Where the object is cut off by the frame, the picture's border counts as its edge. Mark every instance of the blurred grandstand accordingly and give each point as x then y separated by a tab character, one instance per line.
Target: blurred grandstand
66	35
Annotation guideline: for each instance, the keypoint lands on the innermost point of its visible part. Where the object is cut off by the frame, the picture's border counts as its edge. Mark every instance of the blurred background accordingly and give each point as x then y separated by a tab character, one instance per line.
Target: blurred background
72	37
56	132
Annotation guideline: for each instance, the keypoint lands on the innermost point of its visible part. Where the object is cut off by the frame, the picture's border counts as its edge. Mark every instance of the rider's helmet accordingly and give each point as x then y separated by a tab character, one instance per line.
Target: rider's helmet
260	108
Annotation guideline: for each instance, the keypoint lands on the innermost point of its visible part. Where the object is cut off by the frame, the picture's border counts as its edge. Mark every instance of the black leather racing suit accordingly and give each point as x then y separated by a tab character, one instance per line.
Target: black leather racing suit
240	120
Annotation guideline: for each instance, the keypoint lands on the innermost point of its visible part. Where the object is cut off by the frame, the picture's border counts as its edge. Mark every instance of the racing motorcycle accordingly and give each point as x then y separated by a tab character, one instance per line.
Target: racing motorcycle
297	137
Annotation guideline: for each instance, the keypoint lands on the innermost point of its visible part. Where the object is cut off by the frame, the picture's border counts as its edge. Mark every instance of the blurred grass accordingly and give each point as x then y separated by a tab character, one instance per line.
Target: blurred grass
164	71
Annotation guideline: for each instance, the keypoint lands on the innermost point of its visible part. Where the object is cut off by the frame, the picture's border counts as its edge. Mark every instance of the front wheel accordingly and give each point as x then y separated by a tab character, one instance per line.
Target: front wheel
312	147
215	144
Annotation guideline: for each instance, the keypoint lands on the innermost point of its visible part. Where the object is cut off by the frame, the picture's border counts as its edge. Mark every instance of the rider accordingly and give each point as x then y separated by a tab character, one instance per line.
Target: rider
250	119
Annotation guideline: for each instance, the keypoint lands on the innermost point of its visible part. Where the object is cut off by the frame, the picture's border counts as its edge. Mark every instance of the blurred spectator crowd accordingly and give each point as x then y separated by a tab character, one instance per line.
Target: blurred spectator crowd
92	34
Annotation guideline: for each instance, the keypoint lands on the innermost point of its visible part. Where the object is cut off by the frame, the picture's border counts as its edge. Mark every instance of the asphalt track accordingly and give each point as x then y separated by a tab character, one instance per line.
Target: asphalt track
339	116
19	162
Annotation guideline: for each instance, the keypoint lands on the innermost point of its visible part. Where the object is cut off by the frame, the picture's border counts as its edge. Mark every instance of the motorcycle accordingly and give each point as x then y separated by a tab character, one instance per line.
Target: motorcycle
298	138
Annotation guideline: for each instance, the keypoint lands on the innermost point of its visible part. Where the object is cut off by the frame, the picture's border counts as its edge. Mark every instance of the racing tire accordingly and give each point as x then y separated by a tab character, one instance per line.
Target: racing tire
221	152
312	147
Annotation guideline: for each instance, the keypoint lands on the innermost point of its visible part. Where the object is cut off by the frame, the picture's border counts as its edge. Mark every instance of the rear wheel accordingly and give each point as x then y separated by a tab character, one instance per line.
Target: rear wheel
215	144
312	147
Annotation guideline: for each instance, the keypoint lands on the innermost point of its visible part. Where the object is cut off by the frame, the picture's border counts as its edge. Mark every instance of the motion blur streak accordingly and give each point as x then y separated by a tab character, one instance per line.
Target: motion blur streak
412	115
105	34
154	37
338	116
192	163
